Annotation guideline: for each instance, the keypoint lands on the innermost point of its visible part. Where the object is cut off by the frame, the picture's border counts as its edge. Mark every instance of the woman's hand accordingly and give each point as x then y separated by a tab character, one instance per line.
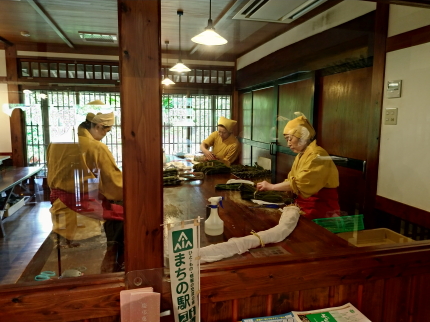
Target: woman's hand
209	155
264	185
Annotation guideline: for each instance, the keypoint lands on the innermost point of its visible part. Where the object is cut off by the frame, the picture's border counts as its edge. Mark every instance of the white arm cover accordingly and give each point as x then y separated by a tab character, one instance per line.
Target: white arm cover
287	223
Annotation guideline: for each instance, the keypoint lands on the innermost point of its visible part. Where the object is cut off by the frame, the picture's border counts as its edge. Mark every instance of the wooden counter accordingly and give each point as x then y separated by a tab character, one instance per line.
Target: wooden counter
190	199
318	269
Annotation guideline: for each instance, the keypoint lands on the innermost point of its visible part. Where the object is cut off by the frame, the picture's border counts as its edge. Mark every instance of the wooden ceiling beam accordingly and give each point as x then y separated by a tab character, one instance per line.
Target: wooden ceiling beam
411	3
41	11
5	41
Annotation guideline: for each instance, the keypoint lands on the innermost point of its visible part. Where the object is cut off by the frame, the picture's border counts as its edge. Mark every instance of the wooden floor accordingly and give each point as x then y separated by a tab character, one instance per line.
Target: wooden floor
29	231
25	230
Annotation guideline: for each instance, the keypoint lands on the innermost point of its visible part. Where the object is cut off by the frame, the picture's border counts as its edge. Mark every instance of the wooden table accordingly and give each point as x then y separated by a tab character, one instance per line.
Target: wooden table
9	179
189	200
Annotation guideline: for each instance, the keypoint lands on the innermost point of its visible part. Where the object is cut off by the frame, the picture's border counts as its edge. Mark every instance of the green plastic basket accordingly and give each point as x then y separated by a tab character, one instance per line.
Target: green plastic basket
341	224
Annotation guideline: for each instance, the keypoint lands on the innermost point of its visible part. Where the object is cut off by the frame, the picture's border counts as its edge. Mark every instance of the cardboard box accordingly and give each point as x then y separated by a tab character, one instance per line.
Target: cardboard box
15	207
373	237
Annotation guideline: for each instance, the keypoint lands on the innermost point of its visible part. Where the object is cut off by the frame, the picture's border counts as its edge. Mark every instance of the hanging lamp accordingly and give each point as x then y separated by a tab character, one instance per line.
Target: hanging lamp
166	80
180	67
209	37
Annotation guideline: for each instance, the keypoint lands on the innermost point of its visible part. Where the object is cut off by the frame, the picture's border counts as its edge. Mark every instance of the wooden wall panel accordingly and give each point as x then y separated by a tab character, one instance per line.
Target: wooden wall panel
315	298
396	299
343	110
293	97
245	110
372	298
262	116
351	190
420	307
251	307
284	162
342	294
285	302
18	138
224	311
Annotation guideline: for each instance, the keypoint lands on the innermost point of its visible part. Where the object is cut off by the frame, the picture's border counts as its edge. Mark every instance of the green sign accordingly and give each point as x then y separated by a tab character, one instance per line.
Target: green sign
182	240
321	317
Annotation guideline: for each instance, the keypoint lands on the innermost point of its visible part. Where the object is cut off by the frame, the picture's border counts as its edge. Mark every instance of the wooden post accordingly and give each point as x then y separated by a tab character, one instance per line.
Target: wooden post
374	125
17	124
140	65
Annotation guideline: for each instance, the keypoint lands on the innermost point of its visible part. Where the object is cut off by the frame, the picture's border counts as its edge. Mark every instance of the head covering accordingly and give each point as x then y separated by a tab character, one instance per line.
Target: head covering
96	102
227	123
295	126
103	119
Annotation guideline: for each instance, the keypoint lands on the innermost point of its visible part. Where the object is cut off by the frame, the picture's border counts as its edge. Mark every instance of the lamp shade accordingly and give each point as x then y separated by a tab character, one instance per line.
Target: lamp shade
167	81
180	67
210	38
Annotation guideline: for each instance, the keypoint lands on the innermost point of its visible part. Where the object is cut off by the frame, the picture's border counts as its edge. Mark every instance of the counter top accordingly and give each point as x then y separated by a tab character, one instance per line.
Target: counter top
189	200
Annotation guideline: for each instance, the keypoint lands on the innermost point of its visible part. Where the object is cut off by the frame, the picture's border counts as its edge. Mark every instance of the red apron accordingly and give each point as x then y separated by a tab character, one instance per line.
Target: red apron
87	206
323	204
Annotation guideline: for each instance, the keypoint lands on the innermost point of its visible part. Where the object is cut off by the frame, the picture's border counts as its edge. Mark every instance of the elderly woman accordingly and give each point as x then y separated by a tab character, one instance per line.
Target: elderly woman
313	177
226	147
75	213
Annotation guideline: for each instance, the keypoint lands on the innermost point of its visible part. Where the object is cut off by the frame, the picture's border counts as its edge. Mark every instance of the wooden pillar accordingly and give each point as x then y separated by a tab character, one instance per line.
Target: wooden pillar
17	123
374	125
140	65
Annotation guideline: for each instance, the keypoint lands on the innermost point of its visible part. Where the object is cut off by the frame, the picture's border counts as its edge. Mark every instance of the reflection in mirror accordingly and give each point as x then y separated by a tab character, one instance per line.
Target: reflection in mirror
65	215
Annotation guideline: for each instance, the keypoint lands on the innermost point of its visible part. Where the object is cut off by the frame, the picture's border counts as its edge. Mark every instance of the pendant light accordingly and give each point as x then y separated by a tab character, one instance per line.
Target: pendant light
180	67
209	37
166	80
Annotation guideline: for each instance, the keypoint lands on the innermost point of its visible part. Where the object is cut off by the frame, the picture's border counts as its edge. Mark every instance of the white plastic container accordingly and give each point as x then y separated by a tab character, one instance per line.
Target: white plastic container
214	225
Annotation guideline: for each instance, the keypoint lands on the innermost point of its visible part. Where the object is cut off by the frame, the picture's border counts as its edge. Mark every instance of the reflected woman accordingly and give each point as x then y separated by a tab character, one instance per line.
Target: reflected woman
313	177
71	167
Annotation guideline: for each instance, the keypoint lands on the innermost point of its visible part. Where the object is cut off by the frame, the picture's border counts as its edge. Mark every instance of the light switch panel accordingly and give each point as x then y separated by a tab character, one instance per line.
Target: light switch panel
390	116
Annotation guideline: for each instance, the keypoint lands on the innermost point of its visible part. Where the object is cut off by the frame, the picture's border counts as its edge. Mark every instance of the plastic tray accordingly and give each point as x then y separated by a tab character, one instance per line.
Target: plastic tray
341	224
374	237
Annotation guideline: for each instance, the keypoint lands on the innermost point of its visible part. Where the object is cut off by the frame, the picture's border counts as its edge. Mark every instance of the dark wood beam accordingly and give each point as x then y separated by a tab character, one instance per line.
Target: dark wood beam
61	48
411	3
5	41
140	65
407	39
375	114
42	12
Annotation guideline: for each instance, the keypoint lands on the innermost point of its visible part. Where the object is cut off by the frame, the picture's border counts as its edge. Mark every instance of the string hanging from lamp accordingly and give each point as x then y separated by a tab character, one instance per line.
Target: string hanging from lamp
180	67
166	80
209	37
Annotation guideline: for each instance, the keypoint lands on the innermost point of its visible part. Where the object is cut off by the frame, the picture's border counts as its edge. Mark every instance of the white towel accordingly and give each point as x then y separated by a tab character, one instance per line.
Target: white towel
289	218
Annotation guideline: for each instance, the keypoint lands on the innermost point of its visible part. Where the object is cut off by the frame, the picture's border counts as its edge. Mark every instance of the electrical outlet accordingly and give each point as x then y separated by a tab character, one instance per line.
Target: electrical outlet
390	116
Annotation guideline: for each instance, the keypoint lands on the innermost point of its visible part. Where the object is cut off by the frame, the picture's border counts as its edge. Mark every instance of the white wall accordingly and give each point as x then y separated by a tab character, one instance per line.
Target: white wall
403	19
5	142
404	171
337	15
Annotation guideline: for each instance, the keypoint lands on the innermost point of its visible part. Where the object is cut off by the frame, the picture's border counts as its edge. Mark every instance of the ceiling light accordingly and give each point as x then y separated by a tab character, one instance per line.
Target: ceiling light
25	33
180	67
209	37
98	37
167	81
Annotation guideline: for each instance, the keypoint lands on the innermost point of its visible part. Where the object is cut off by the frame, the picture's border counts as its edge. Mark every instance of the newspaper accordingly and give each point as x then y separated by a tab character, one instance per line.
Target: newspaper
344	313
287	317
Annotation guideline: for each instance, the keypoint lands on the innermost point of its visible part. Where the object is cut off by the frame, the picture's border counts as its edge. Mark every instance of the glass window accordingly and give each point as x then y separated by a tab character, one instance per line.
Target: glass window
35	69
63	72
24	69
53	70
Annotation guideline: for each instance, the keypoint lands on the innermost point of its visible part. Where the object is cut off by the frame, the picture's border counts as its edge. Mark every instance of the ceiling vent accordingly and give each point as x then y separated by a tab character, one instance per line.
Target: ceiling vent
281	11
98	37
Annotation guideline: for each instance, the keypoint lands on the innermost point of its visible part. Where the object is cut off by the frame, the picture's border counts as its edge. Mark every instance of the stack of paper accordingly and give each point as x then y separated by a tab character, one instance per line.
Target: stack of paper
140	304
